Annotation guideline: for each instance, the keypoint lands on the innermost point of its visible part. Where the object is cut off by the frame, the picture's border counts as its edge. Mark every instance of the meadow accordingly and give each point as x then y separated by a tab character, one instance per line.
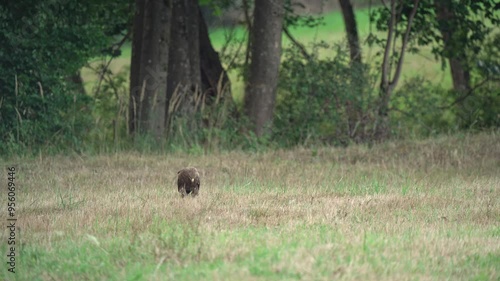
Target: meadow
402	210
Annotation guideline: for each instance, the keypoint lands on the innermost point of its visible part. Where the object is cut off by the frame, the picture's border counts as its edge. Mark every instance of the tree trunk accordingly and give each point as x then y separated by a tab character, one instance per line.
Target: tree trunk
382	129
352	106
215	82
260	95
459	75
351	29
446	19
150	92
184	81
388	83
135	67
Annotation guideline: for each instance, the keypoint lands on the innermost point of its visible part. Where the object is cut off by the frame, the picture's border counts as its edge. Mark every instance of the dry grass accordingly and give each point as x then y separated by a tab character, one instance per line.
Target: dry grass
396	211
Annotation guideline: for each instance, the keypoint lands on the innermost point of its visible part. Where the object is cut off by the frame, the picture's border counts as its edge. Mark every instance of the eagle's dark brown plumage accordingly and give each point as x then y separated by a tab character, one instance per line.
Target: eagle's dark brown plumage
188	181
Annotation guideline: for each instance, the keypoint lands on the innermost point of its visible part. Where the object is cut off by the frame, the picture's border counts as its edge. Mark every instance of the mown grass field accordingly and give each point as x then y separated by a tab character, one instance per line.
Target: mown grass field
331	31
403	210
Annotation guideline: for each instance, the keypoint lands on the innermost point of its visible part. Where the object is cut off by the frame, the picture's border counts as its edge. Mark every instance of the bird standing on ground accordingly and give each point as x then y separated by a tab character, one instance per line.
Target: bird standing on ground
188	181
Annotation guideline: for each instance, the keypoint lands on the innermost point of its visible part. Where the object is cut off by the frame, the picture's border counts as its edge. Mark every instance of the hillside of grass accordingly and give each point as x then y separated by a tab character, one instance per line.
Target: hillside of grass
331	31
404	210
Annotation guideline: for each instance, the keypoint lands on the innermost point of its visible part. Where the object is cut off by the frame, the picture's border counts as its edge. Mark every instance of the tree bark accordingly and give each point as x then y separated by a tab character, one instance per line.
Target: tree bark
353	108
351	29
446	19
153	68
135	67
388	83
260	95
459	75
214	79
184	81
248	23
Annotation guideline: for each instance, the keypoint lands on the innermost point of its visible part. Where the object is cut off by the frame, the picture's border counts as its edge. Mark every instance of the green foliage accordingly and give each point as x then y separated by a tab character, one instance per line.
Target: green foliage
471	24
36	118
293	19
469	31
460	30
480	107
323	100
43	44
426	109
110	111
420	108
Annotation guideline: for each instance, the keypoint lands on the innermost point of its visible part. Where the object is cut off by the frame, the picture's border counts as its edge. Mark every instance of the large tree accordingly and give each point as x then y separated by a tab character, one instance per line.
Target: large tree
450	27
453	31
260	94
447	22
148	96
171	38
184	83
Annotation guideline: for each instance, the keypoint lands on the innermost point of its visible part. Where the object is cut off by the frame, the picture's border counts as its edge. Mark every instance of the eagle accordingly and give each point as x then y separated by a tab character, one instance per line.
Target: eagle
188	181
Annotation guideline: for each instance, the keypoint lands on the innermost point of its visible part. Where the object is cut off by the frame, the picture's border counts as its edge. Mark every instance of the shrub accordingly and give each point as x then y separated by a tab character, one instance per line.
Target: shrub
323	100
40	118
43	44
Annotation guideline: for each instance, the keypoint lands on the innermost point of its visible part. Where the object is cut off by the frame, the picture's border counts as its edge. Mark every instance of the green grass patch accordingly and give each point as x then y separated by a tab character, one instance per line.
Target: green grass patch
308	252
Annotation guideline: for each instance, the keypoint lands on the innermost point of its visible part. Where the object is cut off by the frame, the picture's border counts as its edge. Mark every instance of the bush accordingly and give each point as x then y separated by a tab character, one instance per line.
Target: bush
429	109
44	44
480	108
38	118
418	108
323	100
